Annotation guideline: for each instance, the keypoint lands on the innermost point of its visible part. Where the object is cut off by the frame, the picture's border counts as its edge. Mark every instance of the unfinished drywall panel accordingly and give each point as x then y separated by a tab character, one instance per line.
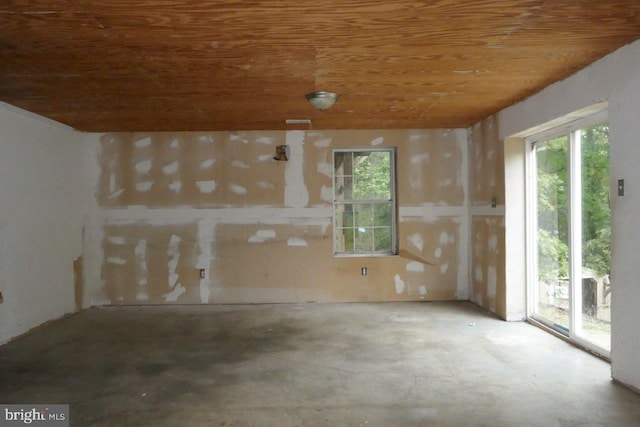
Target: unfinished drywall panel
615	78
488	263
433	171
487	164
434	256
261	229
215	169
285	262
272	262
43	190
147	263
486	182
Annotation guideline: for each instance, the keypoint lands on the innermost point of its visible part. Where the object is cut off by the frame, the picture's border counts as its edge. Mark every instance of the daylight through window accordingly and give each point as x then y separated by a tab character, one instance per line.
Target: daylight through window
364	202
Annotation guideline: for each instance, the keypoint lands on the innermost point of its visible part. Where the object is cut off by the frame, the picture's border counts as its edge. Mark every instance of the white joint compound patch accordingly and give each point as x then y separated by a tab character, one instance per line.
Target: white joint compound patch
144	186
173	277
265	140
175	186
116	240
262	235
296	241
326	193
116	261
444	267
141	255
206	232
422	290
399	284
492	281
143	167
141	143
445	238
266	185
141	249
238	189
234	137
207	163
239	164
175	294
112	183
323	143
206	187
416	241
173	250
377	141
416	267
493	243
115	194
175	144
438	253
170	169
265	157
205	139
296	194
325	169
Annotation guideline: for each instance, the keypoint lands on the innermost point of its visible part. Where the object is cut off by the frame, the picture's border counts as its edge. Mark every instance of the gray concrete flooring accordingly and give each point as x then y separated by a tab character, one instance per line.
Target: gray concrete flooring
387	364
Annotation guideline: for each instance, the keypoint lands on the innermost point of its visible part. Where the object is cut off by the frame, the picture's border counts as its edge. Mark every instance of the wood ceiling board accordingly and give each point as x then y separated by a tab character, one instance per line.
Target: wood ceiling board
175	63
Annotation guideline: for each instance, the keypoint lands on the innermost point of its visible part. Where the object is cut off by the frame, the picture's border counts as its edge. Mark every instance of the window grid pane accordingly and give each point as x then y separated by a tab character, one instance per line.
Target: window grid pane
363	202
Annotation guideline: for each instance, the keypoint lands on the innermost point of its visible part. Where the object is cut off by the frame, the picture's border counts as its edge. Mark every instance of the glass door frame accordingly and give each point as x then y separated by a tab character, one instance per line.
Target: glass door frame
572	130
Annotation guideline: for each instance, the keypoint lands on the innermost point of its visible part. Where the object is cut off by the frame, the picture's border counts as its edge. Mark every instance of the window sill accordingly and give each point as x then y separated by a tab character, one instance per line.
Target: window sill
371	255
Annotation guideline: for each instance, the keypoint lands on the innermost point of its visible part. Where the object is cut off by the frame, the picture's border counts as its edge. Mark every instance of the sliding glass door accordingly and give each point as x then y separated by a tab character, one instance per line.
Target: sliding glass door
569	287
552	293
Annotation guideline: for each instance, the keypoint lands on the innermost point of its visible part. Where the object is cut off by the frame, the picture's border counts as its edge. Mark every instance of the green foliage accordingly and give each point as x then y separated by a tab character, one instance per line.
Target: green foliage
596	191
371	174
597	253
553	258
553	202
367	221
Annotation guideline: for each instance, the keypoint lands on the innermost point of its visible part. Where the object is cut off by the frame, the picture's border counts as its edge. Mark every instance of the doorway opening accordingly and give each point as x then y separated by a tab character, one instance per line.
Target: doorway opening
569	232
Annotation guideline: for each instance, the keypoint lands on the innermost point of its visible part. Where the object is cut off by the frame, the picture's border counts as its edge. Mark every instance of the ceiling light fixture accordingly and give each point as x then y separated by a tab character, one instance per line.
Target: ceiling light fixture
322	100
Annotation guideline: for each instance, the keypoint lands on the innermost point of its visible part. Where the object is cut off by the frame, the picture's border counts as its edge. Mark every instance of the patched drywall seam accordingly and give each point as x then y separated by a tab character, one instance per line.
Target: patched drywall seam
464	245
296	194
206	236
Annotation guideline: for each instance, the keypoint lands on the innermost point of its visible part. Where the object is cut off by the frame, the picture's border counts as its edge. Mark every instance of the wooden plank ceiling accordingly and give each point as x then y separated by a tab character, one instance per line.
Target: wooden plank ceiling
123	65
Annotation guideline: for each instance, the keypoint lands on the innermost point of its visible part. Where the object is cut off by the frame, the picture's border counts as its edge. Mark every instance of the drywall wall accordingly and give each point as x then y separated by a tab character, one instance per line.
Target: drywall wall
487	281
615	78
172	204
42	196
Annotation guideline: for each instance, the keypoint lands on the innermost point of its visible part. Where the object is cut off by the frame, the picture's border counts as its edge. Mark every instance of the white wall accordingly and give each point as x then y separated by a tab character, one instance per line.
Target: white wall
615	78
42	193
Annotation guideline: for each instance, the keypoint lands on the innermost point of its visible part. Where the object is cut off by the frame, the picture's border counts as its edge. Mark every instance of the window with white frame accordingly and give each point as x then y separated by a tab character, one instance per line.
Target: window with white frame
364	206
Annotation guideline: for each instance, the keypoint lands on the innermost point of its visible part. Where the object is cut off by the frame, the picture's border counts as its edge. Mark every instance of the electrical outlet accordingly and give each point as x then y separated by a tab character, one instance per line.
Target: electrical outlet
1	298
363	271
202	273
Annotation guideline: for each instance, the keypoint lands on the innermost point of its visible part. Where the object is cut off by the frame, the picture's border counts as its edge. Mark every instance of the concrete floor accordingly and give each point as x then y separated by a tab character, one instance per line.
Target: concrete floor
389	364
